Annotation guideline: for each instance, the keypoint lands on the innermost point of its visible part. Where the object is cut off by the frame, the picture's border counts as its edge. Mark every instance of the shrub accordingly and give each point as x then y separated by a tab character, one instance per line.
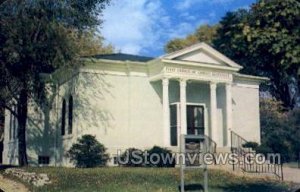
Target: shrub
165	157
264	149
132	157
251	144
88	152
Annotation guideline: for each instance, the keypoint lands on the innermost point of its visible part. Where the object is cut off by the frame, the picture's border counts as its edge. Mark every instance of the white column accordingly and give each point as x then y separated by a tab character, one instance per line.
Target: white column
183	128
228	112
166	112
213	112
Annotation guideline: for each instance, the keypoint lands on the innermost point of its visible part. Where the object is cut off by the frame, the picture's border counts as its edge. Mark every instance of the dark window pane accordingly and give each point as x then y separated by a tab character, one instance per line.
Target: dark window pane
70	117
195	120
63	117
44	160
173	124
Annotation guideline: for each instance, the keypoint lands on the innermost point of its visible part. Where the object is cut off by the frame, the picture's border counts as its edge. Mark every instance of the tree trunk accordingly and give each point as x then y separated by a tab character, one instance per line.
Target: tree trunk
22	118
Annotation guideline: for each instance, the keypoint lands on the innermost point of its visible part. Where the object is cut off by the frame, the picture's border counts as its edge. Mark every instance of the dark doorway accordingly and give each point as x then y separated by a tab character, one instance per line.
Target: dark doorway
195	120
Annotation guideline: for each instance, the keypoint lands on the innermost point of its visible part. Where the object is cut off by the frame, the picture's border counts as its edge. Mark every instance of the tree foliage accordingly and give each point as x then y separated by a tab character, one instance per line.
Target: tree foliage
91	43
273	35
1	124
205	33
231	41
39	37
280	129
88	152
265	41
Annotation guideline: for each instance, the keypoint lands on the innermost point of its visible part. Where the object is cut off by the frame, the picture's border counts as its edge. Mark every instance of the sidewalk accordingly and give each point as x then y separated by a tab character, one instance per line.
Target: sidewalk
7	185
291	174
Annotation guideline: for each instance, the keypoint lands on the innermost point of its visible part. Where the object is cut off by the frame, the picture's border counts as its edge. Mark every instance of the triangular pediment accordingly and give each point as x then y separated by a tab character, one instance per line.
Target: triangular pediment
202	53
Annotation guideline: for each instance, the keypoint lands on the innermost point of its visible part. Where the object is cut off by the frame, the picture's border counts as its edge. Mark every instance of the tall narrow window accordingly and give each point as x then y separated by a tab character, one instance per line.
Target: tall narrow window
11	126
63	117
70	116
173	124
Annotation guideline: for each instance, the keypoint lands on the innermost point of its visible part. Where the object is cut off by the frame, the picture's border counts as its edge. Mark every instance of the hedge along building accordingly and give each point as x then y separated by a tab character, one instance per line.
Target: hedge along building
132	101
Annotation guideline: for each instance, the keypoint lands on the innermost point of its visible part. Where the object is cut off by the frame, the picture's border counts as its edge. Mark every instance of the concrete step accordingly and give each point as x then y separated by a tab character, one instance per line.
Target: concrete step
223	150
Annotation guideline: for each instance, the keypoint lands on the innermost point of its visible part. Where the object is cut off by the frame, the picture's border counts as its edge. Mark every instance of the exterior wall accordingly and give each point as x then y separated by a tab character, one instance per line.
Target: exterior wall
43	134
246	121
122	111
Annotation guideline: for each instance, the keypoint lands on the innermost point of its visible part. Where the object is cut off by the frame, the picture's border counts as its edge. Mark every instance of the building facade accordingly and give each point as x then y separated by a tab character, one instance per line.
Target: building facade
132	101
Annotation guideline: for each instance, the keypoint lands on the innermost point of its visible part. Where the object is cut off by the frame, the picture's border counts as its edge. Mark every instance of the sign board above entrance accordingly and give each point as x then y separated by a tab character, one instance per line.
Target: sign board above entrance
198	74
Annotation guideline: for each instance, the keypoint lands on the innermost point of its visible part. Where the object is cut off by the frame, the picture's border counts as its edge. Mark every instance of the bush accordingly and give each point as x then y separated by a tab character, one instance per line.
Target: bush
251	144
88	152
162	160
132	157
280	129
264	149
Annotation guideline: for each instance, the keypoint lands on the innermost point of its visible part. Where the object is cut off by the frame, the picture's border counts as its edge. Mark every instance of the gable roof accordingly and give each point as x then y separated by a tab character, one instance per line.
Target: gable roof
122	57
206	50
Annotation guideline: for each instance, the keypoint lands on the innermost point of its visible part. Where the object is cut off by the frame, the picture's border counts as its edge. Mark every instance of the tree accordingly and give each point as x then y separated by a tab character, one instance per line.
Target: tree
265	41
1	124
88	152
205	33
39	37
231	41
280	129
91	43
273	35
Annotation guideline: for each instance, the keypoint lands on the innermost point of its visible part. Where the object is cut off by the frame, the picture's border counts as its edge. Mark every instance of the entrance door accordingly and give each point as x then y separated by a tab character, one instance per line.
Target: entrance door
195	120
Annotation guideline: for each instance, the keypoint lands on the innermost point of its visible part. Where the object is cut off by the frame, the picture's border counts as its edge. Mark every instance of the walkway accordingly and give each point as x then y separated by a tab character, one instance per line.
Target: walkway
291	174
7	185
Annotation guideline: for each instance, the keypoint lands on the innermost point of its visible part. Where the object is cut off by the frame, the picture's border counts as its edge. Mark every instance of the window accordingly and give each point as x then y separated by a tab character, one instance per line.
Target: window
115	161
173	124
13	127
10	126
63	117
70	116
195	120
44	160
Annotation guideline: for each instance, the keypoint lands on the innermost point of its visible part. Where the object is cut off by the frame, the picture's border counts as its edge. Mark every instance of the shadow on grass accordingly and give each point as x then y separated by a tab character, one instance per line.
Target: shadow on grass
250	187
3	167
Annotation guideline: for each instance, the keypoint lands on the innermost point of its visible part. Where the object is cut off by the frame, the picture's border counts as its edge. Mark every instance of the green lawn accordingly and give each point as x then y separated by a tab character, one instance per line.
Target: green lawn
146	179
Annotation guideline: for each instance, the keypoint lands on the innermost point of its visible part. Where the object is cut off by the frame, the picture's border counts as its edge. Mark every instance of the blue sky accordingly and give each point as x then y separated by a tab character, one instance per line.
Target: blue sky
144	26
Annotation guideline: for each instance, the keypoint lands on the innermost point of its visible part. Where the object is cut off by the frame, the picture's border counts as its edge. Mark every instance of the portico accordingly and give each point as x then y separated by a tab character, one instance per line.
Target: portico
209	110
197	76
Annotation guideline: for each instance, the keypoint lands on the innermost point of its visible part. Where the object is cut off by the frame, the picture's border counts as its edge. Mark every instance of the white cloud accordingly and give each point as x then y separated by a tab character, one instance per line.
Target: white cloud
144	26
186	4
133	26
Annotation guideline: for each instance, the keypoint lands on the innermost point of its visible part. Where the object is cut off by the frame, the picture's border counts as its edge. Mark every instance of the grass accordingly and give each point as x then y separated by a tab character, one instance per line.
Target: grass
146	179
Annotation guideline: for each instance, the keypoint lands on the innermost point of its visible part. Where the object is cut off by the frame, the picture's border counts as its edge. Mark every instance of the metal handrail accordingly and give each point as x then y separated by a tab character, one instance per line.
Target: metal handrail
212	144
237	143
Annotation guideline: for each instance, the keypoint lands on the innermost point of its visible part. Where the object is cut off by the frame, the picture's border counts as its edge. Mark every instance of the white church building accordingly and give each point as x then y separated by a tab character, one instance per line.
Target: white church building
132	101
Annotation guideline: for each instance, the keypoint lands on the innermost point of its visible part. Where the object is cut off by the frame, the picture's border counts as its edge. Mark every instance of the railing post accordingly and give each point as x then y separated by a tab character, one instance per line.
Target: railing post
281	170
231	148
